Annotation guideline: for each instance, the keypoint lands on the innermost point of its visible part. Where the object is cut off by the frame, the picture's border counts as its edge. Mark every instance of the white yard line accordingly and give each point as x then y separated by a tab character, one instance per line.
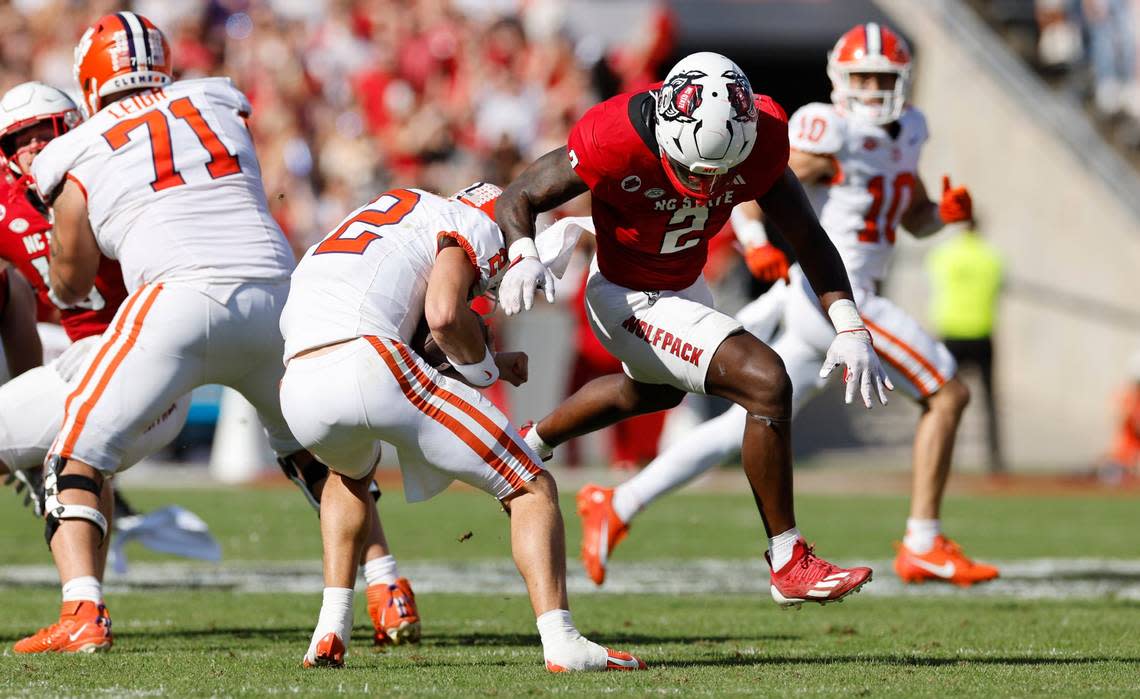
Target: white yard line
1043	578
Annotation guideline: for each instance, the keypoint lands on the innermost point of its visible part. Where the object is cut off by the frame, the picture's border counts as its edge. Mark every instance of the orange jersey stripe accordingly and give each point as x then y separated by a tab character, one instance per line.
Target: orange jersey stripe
89	404
910	351
910	375
485	452
501	437
106	347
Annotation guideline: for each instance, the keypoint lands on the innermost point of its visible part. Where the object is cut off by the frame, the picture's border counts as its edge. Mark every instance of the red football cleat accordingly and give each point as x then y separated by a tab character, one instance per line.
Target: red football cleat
809	578
943	563
395	618
602	530
329	653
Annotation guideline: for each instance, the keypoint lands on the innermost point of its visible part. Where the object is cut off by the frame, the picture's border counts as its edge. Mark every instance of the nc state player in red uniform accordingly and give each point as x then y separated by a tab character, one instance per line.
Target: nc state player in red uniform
665	167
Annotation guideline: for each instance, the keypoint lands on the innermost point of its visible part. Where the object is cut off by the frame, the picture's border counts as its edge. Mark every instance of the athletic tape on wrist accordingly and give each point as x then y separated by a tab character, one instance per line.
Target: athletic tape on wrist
523	247
482	373
845	316
751	233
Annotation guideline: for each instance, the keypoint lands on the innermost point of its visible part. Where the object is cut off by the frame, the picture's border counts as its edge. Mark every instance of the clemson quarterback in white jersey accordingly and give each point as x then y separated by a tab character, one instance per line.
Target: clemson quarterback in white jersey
163	177
858	159
352	379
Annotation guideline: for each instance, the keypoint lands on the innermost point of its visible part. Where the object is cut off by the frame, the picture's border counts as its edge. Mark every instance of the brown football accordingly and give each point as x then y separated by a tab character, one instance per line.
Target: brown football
423	343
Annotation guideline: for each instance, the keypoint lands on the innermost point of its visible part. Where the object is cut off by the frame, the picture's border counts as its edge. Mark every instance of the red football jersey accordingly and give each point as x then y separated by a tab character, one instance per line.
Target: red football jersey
650	237
24	235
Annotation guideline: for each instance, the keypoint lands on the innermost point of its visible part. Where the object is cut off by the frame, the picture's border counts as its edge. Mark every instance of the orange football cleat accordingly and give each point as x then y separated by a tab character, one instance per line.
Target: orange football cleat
944	563
394	615
329	653
83	627
602	530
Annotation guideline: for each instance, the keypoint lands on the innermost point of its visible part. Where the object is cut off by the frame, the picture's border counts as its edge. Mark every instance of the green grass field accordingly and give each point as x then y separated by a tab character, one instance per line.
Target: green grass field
217	642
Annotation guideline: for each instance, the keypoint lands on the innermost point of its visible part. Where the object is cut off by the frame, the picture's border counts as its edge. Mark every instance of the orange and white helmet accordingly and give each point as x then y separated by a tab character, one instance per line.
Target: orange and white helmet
869	48
120	52
480	195
29	104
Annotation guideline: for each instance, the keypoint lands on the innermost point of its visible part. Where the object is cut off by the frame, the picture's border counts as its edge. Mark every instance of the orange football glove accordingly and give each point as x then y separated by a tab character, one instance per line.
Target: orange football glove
956	204
767	263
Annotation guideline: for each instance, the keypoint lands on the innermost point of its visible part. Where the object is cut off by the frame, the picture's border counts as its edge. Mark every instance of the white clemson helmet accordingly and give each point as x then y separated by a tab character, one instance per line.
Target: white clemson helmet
29	104
869	48
706	122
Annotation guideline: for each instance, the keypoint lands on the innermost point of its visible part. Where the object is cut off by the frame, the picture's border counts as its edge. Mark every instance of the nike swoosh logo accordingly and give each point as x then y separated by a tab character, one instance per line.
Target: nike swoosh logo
74	636
946	570
487	373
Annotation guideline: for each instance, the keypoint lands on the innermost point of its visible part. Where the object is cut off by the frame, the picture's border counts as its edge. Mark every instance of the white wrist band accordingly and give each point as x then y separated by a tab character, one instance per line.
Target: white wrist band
845	316
482	373
523	247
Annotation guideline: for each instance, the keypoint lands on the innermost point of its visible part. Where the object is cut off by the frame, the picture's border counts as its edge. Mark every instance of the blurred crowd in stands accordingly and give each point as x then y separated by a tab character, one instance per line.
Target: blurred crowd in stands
353	96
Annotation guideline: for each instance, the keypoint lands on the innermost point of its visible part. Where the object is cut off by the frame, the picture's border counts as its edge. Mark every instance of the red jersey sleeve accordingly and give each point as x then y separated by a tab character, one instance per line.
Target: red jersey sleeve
592	146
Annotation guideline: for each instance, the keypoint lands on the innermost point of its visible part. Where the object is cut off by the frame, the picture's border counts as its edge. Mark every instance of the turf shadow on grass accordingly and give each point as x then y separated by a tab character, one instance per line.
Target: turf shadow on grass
901	660
431	638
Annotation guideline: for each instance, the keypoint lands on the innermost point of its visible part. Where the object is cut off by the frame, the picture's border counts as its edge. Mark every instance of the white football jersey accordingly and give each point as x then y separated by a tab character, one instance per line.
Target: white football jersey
369	276
173	186
877	174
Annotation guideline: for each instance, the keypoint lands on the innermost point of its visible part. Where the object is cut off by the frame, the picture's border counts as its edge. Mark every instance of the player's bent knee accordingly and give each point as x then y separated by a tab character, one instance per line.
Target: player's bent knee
766	388
954	395
77	477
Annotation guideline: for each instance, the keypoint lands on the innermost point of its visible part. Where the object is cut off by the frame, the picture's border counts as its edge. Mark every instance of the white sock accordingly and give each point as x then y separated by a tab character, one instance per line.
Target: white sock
544	450
712	443
336	616
780	547
920	534
564	645
381	571
86	587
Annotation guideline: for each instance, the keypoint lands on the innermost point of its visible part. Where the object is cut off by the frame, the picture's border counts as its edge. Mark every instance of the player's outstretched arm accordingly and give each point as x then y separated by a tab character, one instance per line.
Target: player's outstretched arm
74	250
787	207
549	182
22	346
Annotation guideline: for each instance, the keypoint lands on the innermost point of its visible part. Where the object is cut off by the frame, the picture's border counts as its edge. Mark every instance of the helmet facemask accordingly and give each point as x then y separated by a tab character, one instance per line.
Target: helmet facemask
877	106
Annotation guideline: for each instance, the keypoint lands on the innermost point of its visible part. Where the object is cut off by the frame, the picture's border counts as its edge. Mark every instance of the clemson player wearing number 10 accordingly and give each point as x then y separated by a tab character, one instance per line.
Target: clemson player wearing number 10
162	177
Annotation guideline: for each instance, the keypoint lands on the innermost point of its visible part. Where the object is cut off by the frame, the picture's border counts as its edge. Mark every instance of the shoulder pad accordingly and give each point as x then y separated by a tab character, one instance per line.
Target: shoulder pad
817	128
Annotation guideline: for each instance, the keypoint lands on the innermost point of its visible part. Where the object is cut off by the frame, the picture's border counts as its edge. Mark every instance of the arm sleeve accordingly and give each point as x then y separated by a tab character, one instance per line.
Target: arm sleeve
769	158
816	128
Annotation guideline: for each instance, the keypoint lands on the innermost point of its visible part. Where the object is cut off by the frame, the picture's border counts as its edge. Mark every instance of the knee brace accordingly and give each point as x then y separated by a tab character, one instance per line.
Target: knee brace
56	511
310	475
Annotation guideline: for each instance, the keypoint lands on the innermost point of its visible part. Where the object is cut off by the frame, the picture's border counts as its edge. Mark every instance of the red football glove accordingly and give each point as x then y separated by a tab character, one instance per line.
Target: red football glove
956	204
767	263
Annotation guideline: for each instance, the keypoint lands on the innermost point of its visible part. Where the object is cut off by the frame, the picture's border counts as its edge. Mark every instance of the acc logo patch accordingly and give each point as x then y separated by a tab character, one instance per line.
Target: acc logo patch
18	225
631	183
655	193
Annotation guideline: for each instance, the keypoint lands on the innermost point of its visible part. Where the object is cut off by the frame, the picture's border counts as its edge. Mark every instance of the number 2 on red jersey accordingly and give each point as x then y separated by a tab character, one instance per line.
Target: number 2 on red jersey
157	124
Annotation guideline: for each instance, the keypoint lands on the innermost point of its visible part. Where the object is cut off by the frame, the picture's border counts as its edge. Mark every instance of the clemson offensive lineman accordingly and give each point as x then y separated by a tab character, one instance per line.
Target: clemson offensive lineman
162	177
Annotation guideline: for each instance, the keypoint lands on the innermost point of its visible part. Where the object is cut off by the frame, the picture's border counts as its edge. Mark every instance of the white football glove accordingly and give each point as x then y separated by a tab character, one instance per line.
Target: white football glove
852	349
523	278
